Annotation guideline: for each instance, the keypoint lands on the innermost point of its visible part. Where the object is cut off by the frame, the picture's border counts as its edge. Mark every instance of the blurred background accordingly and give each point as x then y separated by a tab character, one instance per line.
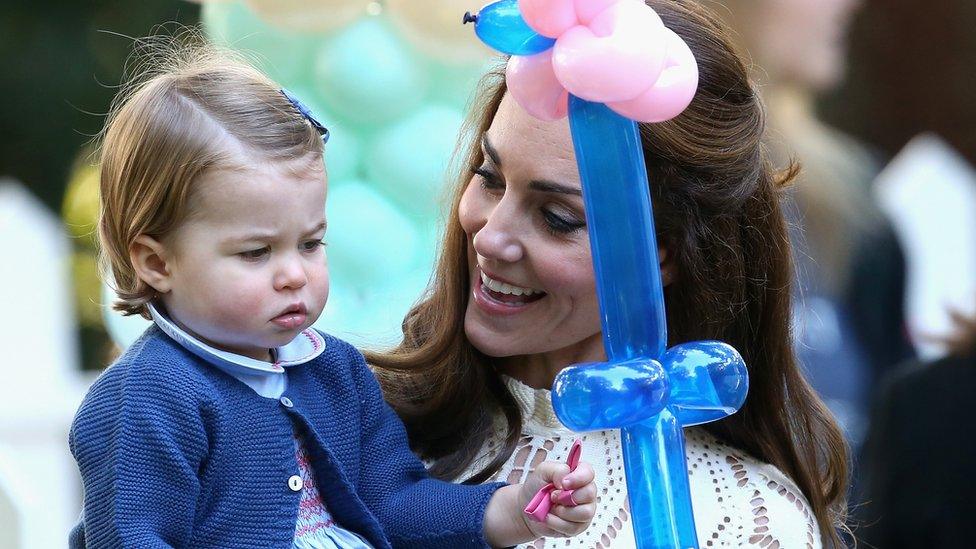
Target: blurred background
871	97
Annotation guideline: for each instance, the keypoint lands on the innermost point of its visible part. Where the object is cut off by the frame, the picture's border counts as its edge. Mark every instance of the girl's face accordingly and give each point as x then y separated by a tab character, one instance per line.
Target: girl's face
247	268
532	284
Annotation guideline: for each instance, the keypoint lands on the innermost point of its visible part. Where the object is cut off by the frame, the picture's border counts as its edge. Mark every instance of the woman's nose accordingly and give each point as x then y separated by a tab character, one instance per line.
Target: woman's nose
498	239
291	274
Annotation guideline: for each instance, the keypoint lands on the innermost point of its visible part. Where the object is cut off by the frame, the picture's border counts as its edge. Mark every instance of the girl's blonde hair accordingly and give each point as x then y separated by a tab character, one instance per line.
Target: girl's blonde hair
186	108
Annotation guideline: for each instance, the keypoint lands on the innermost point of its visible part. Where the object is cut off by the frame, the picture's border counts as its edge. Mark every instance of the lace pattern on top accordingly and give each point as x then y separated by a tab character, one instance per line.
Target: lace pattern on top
738	500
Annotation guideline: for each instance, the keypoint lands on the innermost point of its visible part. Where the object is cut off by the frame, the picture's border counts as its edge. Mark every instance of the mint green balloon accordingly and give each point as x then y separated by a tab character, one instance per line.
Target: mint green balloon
455	85
285	57
343	152
123	330
368	237
409	159
367	75
370	316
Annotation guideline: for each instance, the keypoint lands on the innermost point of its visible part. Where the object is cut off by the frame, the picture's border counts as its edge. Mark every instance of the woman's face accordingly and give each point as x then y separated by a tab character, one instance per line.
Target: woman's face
532	281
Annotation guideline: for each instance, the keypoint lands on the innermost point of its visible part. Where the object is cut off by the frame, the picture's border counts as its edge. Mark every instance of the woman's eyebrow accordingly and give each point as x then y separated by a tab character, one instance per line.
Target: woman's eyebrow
490	151
546	186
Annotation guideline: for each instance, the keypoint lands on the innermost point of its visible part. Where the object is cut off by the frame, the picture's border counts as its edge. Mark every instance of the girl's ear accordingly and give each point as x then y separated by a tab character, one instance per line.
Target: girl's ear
668	268
149	259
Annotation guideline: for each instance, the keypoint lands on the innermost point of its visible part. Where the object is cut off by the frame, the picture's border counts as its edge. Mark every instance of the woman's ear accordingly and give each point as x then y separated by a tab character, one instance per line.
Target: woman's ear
149	259
668	269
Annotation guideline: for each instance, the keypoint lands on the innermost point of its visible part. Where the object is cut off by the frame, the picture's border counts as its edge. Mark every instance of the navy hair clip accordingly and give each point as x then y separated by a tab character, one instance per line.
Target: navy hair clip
307	113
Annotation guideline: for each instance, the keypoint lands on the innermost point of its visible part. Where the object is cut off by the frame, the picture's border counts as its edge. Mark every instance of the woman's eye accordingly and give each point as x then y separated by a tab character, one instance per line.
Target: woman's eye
313	245
254	255
558	224
489	179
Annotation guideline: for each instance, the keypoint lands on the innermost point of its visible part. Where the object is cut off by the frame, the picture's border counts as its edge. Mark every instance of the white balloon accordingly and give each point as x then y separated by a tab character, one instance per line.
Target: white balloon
435	28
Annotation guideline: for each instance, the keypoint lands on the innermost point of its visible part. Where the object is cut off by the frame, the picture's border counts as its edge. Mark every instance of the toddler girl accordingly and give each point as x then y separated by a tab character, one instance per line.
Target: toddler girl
231	422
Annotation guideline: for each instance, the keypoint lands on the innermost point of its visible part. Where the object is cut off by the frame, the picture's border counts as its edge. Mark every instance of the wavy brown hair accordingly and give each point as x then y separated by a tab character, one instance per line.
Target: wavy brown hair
716	203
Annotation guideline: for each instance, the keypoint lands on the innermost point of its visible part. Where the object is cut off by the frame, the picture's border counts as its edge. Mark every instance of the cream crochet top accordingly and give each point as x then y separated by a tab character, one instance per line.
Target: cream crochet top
738	500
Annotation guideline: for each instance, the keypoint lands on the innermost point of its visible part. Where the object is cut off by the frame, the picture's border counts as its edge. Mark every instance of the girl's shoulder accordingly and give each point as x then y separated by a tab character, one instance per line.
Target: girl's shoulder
741	499
153	363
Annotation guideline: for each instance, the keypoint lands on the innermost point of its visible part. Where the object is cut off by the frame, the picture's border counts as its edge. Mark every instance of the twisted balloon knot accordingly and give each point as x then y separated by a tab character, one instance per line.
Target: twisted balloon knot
616	52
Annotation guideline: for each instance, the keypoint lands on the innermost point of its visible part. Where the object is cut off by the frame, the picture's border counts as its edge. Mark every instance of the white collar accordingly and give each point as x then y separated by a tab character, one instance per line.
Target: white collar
306	346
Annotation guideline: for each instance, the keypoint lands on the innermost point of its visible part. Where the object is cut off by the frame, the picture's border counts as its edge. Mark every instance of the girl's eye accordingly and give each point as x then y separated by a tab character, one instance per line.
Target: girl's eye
255	255
313	245
561	225
489	179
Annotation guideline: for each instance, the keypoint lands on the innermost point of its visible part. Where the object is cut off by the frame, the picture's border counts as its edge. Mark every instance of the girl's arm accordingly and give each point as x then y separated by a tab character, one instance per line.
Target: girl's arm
413	509
139	442
418	511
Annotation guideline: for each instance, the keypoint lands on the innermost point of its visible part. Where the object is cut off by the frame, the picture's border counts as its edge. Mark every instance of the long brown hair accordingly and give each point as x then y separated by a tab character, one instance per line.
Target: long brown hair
716	200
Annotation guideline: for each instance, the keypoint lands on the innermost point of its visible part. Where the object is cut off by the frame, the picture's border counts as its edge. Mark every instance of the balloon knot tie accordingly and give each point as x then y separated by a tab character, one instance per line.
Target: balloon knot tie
469	18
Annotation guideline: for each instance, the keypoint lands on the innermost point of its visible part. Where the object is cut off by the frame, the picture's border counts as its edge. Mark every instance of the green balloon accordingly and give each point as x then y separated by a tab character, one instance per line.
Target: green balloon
368	236
285	57
123	330
367	76
409	159
370	316
455	85
343	151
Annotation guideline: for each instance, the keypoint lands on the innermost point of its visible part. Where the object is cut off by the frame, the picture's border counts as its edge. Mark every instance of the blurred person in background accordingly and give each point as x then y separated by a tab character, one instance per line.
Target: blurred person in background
917	465
849	318
917	461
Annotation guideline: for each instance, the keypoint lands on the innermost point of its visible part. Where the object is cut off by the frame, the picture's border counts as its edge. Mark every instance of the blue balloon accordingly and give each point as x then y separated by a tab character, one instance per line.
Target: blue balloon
646	391
501	26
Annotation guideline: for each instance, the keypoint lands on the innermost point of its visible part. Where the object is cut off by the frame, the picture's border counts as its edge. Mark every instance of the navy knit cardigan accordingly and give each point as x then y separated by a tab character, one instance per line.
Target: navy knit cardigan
175	453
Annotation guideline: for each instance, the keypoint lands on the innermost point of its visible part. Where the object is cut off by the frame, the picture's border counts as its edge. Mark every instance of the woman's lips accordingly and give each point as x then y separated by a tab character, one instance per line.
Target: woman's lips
498	303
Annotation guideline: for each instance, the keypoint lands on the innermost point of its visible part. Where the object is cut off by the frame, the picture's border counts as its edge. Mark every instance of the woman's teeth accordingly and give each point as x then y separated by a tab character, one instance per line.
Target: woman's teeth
503	288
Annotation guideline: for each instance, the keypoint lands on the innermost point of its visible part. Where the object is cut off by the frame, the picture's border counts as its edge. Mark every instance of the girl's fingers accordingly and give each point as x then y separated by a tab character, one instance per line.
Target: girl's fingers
562	527
586	494
579	478
581	514
552	471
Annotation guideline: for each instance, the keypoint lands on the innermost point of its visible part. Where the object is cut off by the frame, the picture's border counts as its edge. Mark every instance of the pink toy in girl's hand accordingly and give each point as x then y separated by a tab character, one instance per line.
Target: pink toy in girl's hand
616	52
538	508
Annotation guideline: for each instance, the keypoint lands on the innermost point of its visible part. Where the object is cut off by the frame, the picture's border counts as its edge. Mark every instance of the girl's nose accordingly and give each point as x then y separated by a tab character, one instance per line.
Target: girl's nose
291	274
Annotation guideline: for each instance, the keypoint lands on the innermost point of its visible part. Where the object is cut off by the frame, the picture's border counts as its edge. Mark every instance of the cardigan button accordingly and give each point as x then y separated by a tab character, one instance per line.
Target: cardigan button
286	402
295	483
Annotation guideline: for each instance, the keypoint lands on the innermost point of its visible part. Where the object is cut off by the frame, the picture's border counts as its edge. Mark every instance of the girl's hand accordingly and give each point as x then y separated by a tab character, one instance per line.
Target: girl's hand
562	520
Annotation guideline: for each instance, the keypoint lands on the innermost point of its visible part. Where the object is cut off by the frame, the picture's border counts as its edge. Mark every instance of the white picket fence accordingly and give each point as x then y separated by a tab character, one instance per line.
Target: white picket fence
40	381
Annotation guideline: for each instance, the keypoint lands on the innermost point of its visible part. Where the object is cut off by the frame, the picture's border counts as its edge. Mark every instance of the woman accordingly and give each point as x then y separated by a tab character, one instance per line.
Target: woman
513	302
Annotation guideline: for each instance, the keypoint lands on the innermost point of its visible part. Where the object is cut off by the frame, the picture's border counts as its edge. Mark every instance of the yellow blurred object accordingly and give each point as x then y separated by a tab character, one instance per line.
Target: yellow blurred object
308	15
80	207
435	28
80	214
